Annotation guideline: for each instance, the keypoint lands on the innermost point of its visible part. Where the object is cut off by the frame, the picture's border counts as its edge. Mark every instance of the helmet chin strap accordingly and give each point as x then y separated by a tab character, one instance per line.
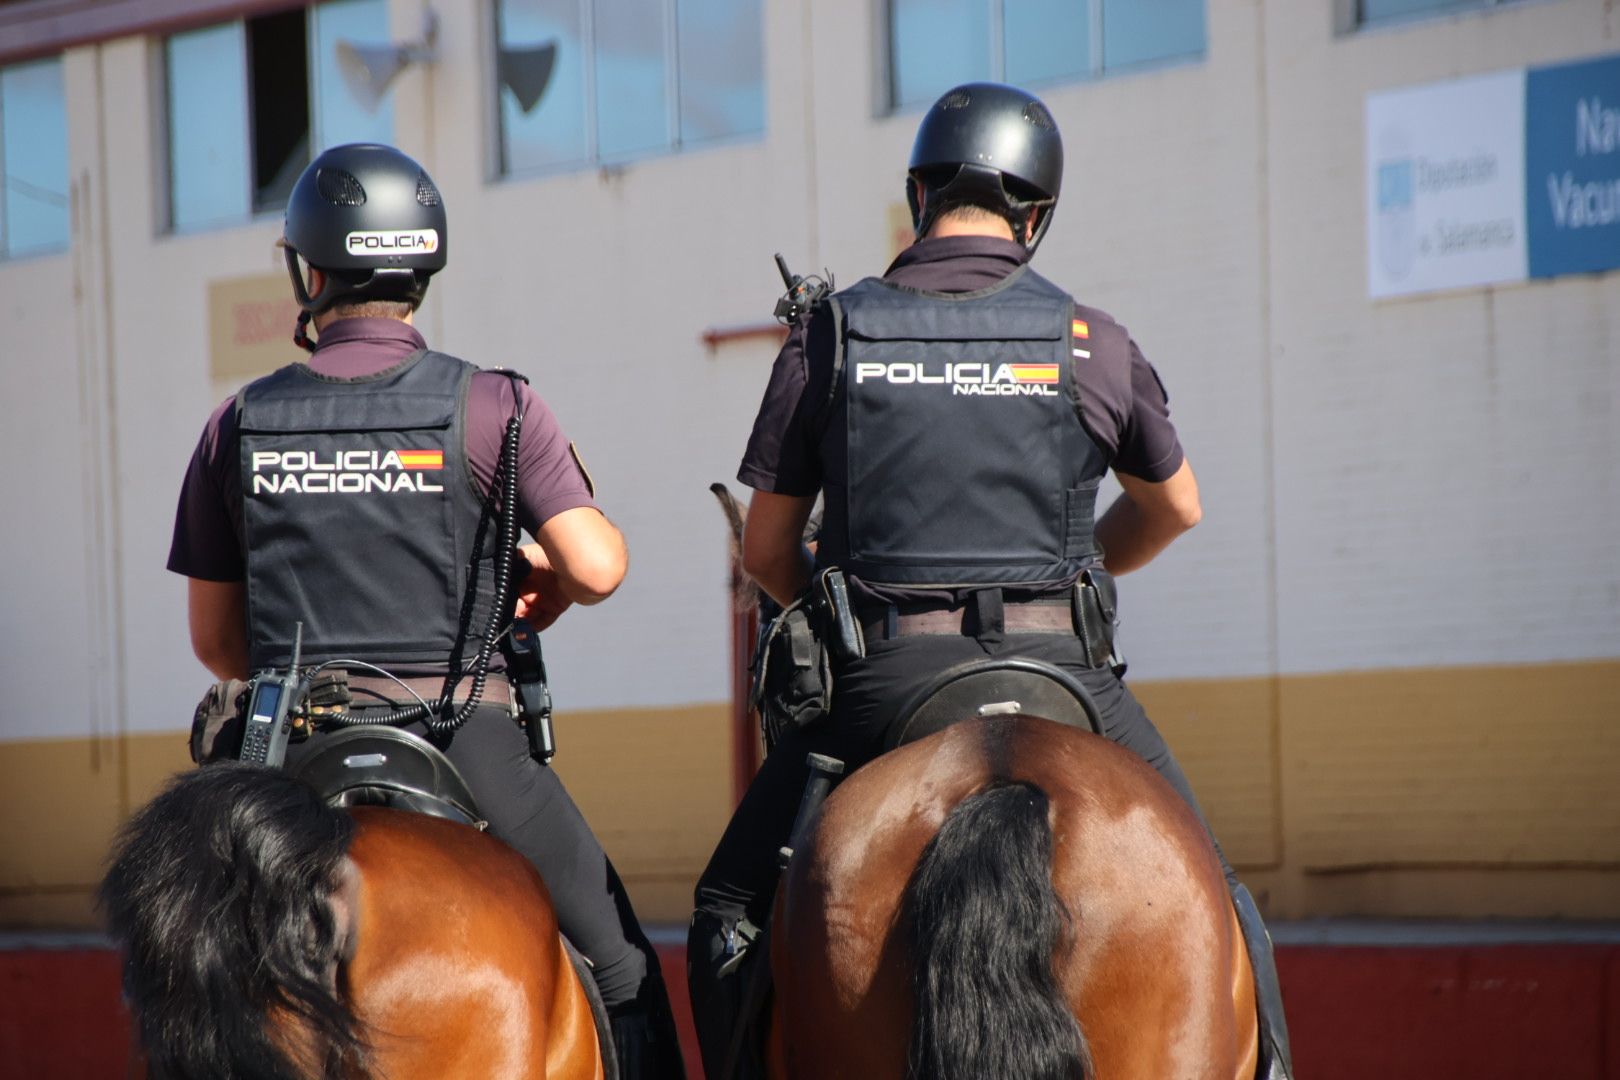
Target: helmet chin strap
301	332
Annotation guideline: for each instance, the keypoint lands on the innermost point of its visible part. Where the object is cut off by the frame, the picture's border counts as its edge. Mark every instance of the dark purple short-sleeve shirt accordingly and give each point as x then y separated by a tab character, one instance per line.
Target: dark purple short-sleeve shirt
208	541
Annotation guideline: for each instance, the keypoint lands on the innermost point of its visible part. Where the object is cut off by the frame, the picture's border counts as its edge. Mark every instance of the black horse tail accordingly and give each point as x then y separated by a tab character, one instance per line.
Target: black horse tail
220	895
986	927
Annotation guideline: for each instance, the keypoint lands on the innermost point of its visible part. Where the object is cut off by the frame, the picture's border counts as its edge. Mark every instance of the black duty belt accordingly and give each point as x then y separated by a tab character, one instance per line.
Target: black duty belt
368	691
1083	612
1053	616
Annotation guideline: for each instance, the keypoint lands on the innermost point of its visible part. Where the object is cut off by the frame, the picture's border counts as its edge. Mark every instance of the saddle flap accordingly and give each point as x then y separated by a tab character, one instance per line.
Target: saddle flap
996	688
384	766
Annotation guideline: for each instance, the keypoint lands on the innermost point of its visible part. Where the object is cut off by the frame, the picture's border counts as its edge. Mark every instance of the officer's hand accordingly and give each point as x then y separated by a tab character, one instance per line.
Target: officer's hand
540	598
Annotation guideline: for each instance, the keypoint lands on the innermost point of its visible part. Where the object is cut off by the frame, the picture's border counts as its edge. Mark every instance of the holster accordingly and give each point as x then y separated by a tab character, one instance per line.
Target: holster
835	615
1096	618
216	726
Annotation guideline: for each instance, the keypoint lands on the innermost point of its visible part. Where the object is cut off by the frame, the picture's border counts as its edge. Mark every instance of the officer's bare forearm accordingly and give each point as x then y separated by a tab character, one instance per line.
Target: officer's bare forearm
587	552
1129	539
773	550
1146	518
784	578
217	613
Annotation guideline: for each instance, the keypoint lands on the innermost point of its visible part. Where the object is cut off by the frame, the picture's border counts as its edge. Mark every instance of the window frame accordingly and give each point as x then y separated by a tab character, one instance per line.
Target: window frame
890	104
1350	18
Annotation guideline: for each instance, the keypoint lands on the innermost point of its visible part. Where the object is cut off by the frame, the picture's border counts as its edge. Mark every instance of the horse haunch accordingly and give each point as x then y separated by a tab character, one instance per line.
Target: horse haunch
937	854
268	936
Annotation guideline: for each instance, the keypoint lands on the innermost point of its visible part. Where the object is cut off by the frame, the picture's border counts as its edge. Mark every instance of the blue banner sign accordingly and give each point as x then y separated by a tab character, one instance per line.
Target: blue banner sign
1572	167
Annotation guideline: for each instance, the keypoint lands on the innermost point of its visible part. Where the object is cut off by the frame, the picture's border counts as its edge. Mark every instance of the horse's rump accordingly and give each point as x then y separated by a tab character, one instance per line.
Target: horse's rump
1149	959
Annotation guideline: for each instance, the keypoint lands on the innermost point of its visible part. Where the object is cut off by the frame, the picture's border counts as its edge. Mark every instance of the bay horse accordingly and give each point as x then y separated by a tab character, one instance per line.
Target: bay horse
1008	899
269	936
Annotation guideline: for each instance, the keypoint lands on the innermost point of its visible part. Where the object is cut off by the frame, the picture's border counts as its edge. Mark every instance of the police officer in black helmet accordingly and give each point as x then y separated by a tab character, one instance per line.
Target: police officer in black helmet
962	515
345	492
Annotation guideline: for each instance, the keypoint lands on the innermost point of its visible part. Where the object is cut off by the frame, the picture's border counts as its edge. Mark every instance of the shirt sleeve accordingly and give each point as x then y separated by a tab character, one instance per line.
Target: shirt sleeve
1149	448
551	478
206	543
783	454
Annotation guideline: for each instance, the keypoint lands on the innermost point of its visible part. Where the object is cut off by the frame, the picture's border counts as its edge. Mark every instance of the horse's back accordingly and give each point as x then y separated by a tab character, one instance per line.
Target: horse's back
1154	969
458	969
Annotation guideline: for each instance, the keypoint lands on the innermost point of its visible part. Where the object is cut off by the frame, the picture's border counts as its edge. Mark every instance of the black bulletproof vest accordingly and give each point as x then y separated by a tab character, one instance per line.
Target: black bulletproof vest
954	454
360	515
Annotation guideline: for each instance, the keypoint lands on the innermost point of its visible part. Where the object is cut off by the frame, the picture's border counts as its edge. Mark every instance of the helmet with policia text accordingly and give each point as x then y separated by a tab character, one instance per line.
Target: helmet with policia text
987	145
371	220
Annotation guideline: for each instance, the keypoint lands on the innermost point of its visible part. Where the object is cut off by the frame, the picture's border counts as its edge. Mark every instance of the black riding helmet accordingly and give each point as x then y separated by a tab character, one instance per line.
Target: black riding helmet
987	145
371	220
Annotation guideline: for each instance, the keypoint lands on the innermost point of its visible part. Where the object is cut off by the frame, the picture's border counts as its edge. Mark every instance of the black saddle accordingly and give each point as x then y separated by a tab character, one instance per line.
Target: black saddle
384	766
999	687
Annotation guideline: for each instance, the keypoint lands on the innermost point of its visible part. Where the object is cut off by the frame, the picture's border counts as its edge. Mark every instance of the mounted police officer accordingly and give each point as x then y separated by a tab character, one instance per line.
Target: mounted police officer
956	416
352	492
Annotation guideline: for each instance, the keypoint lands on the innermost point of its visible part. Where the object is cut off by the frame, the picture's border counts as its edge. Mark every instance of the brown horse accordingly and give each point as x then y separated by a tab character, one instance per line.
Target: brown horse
268	935
1008	898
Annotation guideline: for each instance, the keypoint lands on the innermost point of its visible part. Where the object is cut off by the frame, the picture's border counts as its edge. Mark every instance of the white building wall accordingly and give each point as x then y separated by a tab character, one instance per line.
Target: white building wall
1445	465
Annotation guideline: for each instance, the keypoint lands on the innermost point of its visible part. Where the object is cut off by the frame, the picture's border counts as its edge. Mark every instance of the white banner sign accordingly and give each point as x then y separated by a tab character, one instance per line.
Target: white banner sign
1445	186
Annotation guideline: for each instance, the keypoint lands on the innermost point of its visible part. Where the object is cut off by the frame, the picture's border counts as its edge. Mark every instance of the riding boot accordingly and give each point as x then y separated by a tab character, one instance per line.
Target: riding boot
1276	1062
644	1037
715	949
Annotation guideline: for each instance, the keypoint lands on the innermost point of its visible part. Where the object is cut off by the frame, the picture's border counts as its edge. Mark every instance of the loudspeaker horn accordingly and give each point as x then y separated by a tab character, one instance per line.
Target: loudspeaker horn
368	70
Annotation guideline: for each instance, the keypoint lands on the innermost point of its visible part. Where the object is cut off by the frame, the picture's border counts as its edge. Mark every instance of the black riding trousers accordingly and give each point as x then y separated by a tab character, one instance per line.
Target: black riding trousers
528	808
742	873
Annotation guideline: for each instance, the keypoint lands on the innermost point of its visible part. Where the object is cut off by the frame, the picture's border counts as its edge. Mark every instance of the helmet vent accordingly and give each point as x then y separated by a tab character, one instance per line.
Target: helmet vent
1036	114
340	188
426	193
956	99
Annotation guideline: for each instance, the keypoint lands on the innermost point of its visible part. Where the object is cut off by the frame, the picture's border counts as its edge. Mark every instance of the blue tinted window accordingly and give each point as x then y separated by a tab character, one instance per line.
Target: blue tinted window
585	81
540	73
1138	31
1044	40
937	44
632	78
346	103
34	156
721	64
208	127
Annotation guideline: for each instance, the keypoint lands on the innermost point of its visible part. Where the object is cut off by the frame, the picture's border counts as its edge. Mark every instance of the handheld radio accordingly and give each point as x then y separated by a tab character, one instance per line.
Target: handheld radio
528	672
803	293
264	735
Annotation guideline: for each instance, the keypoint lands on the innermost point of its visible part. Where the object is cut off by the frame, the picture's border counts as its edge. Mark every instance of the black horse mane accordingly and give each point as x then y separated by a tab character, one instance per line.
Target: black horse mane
219	896
986	927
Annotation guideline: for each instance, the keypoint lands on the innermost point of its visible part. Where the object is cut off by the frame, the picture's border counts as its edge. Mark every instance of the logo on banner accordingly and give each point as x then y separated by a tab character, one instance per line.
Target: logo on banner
1397	217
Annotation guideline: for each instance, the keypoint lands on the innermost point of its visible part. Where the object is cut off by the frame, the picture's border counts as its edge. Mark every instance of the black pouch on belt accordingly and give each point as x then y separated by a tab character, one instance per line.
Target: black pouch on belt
216	726
793	677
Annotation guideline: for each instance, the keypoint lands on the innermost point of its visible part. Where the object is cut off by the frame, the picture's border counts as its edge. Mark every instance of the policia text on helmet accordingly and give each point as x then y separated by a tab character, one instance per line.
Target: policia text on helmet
369	224
991	147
